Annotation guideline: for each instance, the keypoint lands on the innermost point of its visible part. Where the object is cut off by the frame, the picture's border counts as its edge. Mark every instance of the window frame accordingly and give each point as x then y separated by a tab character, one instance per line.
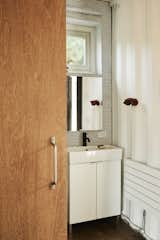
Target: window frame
89	33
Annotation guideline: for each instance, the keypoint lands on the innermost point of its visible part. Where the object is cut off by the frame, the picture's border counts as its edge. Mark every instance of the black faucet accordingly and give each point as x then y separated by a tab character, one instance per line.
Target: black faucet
85	139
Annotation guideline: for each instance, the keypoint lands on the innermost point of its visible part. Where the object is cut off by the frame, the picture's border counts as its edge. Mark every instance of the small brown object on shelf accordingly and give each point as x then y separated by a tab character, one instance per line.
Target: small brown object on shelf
131	101
95	102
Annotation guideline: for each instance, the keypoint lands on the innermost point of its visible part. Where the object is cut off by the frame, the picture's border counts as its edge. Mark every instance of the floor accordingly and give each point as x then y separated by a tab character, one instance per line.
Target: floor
104	230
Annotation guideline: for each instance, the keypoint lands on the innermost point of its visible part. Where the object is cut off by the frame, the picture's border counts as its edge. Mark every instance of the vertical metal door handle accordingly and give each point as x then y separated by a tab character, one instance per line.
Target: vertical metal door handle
55	164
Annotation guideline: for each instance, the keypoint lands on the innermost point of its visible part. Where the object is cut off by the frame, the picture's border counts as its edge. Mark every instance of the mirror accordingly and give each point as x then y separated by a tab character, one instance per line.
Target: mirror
85	103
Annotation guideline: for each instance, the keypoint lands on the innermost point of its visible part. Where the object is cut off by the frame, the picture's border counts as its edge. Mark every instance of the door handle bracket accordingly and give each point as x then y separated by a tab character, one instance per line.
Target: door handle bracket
53	184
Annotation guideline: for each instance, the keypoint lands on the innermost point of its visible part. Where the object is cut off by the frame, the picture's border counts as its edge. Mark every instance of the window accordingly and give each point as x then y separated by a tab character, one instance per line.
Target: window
76	49
81	48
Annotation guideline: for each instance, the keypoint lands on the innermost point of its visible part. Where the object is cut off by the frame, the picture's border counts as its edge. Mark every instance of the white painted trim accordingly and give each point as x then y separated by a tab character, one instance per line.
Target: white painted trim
79	10
94	7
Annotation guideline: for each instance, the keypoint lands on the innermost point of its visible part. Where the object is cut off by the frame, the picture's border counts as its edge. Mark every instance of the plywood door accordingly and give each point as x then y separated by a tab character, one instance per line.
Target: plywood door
32	109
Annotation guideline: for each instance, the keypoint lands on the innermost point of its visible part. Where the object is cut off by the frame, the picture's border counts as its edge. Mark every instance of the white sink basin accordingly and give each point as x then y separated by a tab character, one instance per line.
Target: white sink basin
90	148
86	154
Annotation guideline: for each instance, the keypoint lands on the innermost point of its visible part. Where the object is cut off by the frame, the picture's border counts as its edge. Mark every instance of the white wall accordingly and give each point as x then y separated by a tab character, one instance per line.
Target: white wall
102	11
136	73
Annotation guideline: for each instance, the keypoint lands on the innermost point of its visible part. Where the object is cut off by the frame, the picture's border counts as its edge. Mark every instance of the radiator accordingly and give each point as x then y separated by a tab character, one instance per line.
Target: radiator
142	183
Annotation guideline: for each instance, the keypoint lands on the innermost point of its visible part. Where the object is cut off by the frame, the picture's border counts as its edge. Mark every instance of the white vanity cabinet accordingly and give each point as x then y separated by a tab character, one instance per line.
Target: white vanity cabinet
82	192
94	184
108	188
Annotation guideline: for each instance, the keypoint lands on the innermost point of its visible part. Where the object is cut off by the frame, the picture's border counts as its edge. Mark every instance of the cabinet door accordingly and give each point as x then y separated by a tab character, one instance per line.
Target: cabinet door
108	189
82	192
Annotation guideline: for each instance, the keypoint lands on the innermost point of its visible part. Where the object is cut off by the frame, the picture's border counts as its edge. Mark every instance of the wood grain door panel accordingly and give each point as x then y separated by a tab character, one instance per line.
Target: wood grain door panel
32	109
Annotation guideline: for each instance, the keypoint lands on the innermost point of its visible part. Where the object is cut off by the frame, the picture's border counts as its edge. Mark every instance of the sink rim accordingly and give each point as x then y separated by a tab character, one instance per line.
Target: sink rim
92	148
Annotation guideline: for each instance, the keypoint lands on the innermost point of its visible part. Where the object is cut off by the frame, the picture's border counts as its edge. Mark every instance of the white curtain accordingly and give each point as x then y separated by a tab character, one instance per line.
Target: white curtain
136	73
